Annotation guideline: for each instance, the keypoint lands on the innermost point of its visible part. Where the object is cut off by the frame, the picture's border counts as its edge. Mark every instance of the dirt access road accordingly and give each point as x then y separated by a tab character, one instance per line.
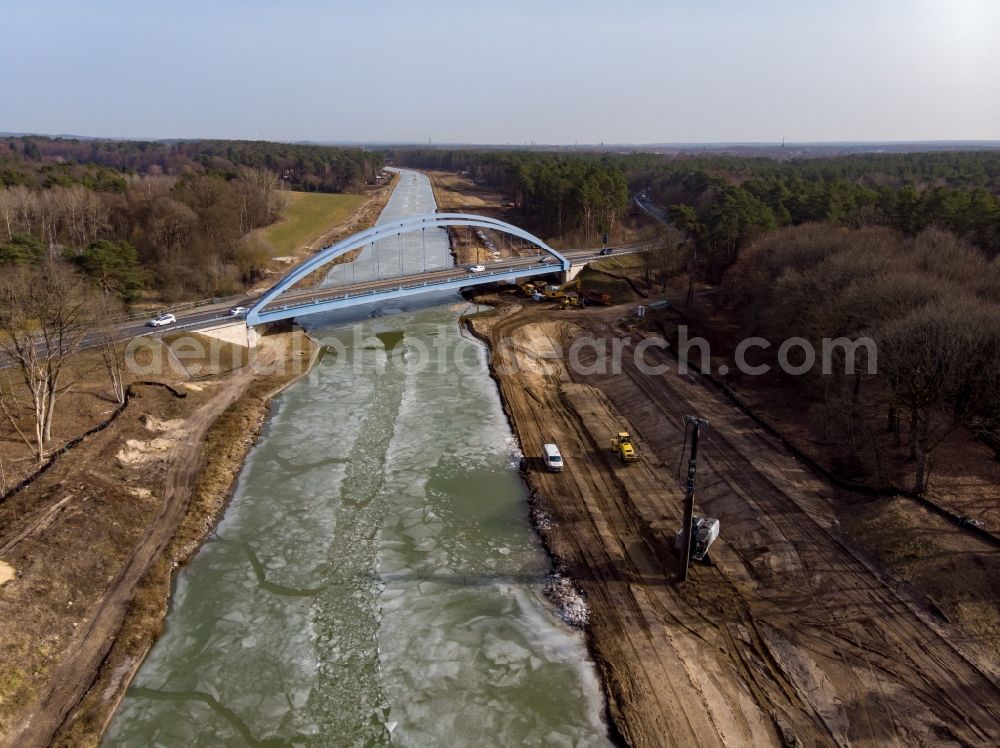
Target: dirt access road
791	636
94	542
75	673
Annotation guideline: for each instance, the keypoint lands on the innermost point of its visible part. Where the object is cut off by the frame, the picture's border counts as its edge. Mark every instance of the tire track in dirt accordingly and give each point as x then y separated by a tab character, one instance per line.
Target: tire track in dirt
791	635
887	661
652	670
652	512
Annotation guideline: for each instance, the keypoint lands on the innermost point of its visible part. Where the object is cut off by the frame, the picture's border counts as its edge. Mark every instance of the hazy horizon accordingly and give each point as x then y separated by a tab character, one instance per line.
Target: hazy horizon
639	73
469	144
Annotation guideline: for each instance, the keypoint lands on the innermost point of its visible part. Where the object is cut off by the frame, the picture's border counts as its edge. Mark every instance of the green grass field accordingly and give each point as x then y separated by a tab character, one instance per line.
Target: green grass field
310	214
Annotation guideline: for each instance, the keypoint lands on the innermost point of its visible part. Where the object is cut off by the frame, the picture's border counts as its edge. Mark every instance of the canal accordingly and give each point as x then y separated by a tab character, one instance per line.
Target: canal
375	580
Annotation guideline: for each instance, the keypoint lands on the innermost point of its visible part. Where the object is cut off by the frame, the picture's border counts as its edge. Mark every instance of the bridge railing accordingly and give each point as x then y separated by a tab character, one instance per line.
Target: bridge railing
322	296
310	297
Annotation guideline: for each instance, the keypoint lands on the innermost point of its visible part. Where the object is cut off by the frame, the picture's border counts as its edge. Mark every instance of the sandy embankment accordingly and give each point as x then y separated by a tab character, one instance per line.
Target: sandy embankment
790	636
97	540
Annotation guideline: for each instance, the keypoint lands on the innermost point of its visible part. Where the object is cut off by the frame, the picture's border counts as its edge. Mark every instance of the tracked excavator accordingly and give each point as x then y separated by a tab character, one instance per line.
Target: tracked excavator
557	292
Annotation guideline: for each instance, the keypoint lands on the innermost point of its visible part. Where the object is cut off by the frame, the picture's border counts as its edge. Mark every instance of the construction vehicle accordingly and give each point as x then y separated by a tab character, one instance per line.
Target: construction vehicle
697	533
623	447
570	301
557	292
704	532
539	288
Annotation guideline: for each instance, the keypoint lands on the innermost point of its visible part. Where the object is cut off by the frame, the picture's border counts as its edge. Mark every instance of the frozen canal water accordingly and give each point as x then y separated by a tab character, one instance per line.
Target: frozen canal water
375	580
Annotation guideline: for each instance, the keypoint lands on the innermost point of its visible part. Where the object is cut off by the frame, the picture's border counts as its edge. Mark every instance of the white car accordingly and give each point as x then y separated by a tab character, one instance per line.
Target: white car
238	311
477	269
163	319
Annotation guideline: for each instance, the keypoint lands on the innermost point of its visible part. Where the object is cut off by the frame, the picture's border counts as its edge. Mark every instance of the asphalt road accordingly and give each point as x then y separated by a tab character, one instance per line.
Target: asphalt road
651	210
210	315
193	319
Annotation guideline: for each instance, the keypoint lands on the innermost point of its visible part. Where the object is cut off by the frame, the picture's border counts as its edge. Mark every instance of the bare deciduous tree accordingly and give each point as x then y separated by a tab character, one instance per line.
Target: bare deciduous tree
24	208
44	314
82	215
940	363
113	356
7	212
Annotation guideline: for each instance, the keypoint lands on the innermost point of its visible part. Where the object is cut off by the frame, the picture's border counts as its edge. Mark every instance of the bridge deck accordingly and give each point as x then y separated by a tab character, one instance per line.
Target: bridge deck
322	299
296	303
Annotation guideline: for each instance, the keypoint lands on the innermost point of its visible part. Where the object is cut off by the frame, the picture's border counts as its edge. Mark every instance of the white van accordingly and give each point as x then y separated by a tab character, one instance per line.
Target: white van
553	460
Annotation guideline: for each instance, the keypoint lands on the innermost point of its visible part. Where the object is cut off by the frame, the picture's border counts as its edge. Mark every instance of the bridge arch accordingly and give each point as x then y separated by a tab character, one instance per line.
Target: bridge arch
386	230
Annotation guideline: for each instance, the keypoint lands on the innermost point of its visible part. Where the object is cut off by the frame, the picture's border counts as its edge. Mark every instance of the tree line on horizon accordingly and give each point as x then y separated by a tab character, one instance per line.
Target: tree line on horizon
178	218
556	195
724	203
38	161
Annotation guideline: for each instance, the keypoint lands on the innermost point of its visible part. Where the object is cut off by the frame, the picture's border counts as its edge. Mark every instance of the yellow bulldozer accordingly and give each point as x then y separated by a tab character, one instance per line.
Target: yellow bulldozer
624	448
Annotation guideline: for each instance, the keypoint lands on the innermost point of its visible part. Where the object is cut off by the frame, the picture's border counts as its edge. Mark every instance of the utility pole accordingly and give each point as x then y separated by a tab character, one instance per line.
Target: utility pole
694	263
685	550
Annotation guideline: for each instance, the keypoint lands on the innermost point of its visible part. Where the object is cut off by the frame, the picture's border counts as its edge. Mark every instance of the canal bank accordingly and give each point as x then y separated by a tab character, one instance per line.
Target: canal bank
376	578
98	538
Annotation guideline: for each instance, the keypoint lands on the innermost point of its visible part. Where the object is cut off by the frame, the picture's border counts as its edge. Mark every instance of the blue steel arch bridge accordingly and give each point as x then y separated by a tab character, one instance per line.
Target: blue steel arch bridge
284	300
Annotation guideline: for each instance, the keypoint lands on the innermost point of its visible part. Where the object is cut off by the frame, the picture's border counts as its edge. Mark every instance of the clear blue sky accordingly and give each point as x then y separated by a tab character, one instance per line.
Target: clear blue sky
508	71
